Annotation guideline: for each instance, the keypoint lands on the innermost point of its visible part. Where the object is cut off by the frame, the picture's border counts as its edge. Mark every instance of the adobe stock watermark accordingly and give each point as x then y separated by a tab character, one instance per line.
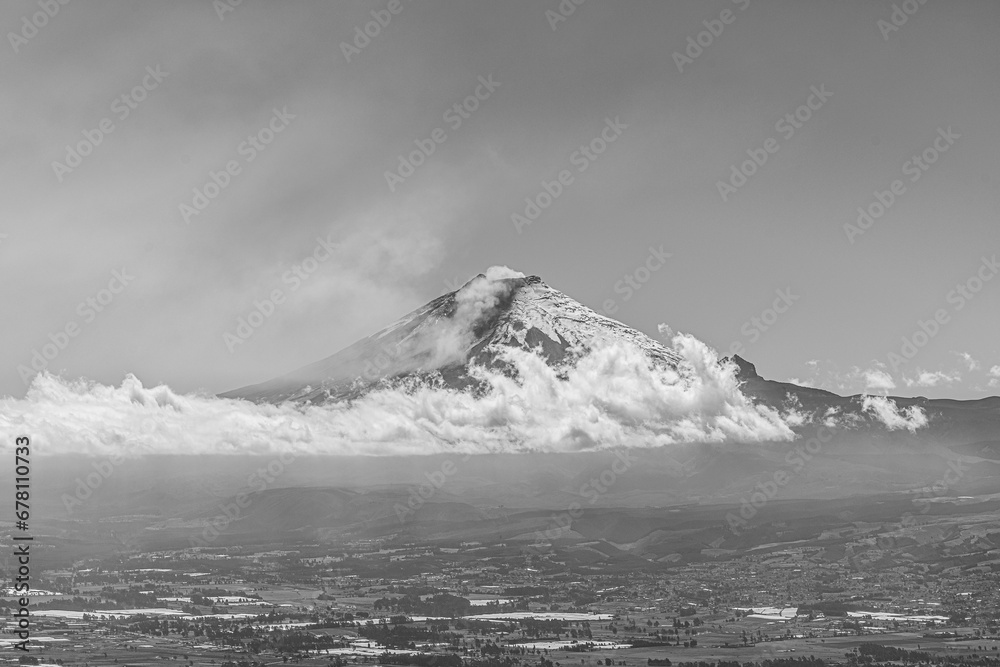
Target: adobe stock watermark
419	495
223	7
31	24
633	282
593	489
924	497
454	115
257	482
455	283
953	474
562	12
122	106
958	297
765	491
786	127
915	167
372	29
91	482
295	277
248	149
88	310
899	16
713	30
581	158
754	327
377	365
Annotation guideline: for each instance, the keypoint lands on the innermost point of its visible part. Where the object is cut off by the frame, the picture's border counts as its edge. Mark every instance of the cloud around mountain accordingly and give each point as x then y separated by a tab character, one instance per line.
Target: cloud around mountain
610	397
505	364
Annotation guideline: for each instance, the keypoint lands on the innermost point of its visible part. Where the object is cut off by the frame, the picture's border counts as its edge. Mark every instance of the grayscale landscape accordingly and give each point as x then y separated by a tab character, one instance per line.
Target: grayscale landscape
522	334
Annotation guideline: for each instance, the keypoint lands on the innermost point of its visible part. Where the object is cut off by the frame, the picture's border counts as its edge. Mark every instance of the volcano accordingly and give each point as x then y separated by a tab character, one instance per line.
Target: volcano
469	327
475	327
534	396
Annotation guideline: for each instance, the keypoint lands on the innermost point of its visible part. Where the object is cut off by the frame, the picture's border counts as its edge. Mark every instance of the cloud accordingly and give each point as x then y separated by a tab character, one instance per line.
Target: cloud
931	379
886	411
794	414
970	362
447	340
801	383
830	417
994	376
610	397
877	379
502	273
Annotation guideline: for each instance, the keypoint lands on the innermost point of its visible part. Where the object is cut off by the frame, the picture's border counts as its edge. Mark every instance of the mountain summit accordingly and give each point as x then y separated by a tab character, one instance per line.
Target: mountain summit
468	327
448	342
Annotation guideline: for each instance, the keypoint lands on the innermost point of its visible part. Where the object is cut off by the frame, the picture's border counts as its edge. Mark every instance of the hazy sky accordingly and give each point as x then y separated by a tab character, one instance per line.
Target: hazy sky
330	120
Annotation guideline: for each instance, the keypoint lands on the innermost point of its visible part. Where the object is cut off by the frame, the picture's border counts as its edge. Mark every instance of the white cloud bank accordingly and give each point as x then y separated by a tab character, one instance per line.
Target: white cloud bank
886	411
610	397
969	360
932	378
878	379
995	376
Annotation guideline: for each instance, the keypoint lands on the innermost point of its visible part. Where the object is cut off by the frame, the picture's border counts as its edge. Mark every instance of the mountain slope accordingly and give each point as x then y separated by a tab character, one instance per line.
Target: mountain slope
950	422
478	324
472	325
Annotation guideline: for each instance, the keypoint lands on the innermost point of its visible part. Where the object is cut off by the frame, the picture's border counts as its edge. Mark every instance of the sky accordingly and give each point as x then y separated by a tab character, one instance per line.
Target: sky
171	168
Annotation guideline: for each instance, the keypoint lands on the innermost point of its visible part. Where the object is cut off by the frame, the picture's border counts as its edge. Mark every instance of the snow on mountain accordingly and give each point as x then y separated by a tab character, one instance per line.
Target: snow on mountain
472	326
539	314
506	364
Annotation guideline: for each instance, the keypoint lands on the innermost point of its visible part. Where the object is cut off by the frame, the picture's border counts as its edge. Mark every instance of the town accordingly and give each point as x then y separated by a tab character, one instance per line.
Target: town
480	605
